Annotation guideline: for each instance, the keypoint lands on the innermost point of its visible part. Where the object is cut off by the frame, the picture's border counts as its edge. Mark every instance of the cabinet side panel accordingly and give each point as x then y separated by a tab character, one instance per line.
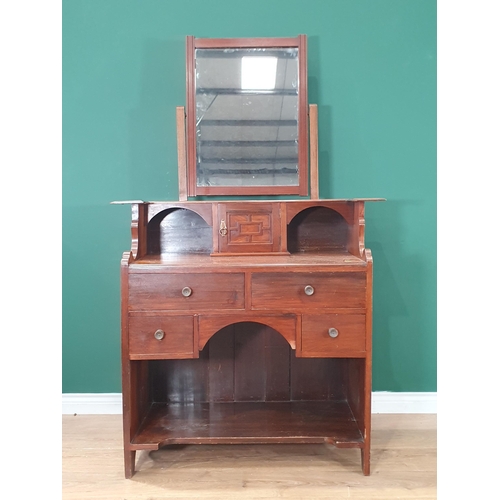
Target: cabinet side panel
135	394
355	371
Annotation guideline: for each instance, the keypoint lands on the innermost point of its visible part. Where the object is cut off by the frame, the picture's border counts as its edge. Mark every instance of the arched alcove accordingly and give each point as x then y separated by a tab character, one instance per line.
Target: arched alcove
317	229
247	361
179	230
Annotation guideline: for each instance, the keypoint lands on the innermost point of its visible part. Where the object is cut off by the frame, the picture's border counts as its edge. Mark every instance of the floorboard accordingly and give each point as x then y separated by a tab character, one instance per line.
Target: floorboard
403	465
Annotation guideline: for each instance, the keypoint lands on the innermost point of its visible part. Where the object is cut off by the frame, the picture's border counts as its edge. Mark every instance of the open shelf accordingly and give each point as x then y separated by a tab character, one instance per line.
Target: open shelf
249	422
336	257
317	229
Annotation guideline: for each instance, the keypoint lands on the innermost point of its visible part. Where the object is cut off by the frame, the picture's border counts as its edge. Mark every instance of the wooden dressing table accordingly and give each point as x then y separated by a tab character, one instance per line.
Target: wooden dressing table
246	321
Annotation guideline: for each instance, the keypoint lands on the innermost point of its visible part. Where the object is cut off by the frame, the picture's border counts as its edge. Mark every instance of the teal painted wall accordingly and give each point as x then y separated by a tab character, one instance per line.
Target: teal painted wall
372	72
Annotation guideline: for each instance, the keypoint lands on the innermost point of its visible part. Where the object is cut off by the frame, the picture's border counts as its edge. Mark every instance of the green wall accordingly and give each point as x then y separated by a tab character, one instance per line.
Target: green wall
372	72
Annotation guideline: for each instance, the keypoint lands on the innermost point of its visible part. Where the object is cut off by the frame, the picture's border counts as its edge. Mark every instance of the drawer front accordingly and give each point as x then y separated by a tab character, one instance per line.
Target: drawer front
160	336
325	335
186	292
301	292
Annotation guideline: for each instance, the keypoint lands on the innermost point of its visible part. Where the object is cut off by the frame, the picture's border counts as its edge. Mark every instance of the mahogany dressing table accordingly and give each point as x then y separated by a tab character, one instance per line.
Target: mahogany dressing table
247	320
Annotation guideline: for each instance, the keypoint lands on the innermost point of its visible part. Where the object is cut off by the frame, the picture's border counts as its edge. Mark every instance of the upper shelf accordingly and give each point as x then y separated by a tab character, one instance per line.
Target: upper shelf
257	227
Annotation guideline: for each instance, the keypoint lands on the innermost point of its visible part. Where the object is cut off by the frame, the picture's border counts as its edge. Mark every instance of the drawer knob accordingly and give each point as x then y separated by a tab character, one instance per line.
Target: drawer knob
159	334
308	290
186	291
333	332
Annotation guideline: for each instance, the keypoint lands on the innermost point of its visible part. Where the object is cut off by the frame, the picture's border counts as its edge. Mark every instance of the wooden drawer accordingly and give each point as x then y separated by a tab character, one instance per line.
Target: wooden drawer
160	336
186	292
348	331
301	292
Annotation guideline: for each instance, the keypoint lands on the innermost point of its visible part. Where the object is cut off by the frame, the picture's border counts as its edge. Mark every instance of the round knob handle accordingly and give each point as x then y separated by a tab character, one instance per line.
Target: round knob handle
186	291
159	334
333	332
308	290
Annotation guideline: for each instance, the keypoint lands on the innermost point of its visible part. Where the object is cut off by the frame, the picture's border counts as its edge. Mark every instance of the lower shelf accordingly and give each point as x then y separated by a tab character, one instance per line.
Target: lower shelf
249	422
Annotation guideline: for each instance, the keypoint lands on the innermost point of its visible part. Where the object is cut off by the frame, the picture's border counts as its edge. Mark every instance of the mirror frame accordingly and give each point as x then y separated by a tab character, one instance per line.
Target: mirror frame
192	44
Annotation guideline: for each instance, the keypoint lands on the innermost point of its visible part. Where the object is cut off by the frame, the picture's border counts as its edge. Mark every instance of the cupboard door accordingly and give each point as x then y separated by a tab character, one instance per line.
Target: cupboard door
249	228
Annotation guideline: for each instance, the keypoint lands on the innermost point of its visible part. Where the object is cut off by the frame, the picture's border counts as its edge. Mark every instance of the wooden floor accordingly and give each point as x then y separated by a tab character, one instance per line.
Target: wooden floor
403	465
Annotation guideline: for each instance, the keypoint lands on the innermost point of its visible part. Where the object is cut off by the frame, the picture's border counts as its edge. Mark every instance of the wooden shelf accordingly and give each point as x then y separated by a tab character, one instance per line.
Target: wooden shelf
249	422
305	259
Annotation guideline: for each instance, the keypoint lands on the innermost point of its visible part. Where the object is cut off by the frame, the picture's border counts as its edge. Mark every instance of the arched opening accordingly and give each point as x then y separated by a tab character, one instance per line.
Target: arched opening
317	229
179	230
247	361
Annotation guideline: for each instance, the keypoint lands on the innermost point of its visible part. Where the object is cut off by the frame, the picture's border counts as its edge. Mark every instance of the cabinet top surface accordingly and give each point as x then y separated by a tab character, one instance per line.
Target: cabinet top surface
285	262
338	200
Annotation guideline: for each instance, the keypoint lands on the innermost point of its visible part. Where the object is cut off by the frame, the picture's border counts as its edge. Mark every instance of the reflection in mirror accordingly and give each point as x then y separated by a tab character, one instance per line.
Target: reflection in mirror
247	117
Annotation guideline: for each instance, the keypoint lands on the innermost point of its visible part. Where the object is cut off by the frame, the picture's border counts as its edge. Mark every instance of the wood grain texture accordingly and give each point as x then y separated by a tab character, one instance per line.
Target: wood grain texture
316	340
403	466
286	292
208	291
257	322
138	229
284	325
177	341
157	264
179	230
250	228
249	422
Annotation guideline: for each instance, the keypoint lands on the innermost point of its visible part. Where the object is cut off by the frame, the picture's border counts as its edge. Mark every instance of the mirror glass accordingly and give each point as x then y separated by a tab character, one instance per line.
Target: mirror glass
247	104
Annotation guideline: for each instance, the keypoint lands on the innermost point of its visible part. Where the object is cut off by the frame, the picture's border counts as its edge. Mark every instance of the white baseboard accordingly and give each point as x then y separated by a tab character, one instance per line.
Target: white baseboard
382	402
99	404
404	402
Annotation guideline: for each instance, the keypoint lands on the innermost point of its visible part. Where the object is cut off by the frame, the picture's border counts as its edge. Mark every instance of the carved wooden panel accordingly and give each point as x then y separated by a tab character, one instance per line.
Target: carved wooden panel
249	228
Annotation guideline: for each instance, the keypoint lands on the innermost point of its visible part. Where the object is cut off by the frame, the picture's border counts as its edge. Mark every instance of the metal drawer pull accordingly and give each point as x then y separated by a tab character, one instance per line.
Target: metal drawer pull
308	290
186	291
159	334
333	332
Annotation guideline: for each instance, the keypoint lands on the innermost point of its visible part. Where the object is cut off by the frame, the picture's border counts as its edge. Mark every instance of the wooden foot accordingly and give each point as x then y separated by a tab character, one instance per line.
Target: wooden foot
129	463
365	461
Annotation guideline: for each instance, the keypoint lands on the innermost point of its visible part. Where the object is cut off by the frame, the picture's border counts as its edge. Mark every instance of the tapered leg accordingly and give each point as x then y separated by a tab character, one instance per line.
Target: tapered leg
365	460
129	463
